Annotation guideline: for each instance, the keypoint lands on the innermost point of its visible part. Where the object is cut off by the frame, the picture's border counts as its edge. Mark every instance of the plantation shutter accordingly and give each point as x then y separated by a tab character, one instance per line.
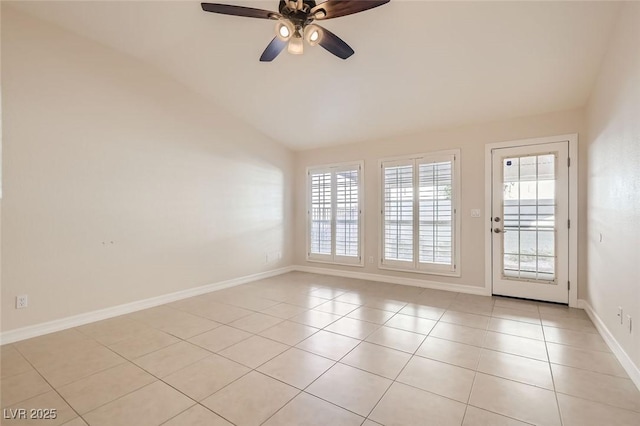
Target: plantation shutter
419	214
320	232
398	211
347	212
335	223
436	213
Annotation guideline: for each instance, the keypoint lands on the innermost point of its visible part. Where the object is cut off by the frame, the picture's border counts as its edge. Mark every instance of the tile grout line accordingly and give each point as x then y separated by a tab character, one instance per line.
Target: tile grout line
335	362
555	393
338	361
158	379
284	405
187	409
50	385
399	373
361	340
475	373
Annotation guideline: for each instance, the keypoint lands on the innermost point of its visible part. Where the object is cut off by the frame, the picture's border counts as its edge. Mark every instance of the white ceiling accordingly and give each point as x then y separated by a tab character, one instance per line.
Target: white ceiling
417	64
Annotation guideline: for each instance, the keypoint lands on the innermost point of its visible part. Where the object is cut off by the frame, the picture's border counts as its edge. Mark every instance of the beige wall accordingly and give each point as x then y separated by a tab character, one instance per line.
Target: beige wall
613	153
100	147
471	140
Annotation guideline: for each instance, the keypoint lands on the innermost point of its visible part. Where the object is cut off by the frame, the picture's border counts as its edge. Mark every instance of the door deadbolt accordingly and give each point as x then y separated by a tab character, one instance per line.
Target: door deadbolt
496	219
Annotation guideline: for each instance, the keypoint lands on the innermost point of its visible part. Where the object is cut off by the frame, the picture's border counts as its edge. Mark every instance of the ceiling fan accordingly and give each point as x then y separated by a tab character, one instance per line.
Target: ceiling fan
295	23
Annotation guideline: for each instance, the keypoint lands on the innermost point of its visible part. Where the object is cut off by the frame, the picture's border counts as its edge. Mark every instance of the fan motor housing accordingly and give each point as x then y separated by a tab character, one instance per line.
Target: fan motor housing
310	3
299	18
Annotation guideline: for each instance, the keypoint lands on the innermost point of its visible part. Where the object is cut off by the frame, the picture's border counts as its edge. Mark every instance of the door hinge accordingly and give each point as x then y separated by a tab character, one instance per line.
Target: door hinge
568	285
568	161
568	223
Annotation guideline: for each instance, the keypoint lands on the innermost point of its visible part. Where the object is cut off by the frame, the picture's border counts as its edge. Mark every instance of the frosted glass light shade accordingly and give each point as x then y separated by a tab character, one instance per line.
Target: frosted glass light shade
284	30
312	34
296	46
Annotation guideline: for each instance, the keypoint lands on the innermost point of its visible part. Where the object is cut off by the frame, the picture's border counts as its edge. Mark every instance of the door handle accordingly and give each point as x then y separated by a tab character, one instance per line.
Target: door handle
498	230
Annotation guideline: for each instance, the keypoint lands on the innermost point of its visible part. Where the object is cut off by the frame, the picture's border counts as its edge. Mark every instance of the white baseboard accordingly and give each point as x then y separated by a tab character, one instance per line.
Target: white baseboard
632	370
481	291
88	317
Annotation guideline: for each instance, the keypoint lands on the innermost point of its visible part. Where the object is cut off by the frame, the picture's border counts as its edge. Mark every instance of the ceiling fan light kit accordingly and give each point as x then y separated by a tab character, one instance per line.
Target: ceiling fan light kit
295	23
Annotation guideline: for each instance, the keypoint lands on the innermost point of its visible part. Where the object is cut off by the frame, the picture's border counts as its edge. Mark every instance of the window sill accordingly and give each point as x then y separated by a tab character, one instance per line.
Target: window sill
329	262
455	274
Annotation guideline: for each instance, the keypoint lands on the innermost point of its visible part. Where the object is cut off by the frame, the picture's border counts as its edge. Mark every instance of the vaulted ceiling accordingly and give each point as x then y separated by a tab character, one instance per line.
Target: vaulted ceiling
417	64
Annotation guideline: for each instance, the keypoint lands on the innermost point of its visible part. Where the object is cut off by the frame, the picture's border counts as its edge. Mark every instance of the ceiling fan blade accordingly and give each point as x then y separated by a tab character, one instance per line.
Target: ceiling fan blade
273	49
336	8
334	44
249	12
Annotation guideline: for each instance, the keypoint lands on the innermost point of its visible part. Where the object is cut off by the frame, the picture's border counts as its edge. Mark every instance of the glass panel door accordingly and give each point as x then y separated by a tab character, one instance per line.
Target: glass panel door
529	222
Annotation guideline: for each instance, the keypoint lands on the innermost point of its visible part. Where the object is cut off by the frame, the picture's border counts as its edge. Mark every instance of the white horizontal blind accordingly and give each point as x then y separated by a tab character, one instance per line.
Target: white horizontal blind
320	188
398	211
436	228
347	212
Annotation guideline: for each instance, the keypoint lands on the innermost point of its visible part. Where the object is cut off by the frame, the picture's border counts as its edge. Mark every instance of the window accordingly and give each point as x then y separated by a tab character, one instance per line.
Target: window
419	206
334	214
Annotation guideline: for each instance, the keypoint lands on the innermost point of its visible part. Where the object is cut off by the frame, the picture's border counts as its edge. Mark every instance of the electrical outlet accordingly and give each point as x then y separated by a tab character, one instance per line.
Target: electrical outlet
629	322
475	212
620	314
370	259
22	301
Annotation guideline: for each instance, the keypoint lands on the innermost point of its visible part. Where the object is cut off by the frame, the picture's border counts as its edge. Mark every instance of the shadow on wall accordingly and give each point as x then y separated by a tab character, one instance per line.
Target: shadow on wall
109	149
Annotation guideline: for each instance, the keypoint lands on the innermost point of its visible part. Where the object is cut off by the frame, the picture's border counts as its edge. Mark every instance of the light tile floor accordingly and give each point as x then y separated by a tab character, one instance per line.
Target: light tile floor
304	349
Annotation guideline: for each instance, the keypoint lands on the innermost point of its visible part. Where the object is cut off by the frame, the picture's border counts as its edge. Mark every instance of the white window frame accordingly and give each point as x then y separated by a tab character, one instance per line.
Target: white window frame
414	265
333	257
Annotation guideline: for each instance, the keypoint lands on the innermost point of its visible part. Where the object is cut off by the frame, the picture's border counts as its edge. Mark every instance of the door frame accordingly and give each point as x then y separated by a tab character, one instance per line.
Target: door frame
573	207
